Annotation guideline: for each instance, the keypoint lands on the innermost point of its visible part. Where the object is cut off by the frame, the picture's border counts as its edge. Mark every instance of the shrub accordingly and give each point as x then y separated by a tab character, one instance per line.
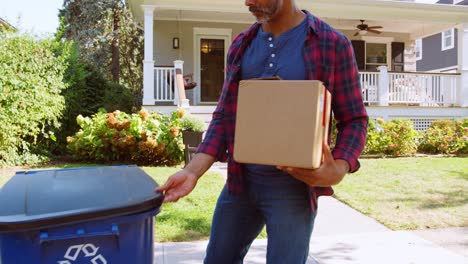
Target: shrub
87	91
396	138
446	137
143	138
374	132
192	123
31	103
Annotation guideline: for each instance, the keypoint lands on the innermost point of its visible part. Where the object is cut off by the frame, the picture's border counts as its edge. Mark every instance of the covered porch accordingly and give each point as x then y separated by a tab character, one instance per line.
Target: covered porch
181	30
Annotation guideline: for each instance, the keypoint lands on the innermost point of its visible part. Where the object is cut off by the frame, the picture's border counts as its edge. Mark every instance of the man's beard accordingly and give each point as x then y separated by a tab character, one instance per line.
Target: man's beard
266	12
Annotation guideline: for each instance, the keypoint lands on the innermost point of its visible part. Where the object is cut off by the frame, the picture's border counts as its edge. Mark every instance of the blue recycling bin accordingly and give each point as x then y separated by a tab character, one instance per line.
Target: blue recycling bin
96	215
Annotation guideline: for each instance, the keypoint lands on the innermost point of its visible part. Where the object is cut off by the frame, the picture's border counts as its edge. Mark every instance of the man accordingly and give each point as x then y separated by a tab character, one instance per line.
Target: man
294	45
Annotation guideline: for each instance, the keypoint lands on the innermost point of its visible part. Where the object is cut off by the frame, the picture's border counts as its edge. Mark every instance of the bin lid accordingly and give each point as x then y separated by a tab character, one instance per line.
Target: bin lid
44	198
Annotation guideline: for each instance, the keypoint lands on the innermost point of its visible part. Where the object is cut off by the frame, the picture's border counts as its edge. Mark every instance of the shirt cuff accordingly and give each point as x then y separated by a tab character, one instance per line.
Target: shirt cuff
353	162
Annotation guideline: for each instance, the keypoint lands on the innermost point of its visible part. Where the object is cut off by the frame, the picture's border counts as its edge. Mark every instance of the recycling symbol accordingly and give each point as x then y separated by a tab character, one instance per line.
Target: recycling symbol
89	251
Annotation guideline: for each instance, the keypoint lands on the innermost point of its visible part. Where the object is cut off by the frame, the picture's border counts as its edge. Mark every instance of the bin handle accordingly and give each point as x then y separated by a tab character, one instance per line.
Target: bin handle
80	233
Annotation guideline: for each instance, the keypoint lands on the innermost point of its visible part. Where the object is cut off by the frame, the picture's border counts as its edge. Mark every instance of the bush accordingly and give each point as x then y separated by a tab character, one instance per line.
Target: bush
143	138
192	123
373	142
396	138
87	91
446	137
31	104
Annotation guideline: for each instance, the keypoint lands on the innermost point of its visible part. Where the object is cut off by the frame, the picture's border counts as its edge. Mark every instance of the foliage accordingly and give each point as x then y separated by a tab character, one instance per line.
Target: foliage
192	123
445	136
374	130
31	104
87	91
396	138
108	38
143	138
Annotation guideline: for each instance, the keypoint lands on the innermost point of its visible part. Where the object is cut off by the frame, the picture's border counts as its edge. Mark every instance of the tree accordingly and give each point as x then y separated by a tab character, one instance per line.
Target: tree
108	38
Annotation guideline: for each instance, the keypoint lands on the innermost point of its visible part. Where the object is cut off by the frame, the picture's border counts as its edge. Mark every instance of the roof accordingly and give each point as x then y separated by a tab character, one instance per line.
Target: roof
5	24
416	19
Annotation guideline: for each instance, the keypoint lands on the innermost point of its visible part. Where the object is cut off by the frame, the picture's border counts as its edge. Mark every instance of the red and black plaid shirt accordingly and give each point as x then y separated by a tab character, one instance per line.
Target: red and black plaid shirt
329	57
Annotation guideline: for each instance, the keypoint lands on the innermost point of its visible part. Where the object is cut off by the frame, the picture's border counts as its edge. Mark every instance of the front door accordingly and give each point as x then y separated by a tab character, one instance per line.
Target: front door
211	69
210	51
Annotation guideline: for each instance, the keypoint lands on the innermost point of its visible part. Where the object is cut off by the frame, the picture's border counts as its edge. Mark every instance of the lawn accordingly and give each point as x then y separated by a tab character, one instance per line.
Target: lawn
410	193
189	218
403	193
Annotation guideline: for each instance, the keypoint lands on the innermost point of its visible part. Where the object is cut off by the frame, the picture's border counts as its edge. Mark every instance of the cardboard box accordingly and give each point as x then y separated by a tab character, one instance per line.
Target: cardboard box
281	122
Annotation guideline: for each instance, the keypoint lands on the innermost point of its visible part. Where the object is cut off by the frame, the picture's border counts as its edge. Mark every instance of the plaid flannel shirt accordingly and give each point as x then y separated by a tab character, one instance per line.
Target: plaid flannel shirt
329	57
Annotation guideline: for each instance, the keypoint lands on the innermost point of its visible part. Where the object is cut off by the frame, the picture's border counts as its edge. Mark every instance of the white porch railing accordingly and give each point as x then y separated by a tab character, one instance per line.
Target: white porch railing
411	88
378	88
164	84
425	89
369	83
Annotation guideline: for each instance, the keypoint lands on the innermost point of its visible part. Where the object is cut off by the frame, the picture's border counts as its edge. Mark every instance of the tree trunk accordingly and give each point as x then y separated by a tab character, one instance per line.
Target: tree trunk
115	68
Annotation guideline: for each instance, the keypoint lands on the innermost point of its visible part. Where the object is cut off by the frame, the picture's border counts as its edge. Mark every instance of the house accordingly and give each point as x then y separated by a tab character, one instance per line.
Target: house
438	52
5	26
193	37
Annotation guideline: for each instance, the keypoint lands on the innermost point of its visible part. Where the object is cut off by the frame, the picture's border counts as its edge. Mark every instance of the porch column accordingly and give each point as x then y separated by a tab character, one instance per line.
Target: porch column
179	97
148	62
462	93
382	93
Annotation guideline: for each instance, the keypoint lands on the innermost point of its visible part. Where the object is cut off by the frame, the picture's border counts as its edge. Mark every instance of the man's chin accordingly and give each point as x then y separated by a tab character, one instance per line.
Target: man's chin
261	20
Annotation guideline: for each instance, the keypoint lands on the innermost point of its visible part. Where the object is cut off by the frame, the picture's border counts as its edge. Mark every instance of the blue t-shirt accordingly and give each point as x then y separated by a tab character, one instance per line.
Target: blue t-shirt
267	57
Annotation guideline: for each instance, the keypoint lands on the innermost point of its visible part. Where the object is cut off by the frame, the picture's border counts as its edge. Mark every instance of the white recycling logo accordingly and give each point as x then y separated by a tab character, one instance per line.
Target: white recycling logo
89	250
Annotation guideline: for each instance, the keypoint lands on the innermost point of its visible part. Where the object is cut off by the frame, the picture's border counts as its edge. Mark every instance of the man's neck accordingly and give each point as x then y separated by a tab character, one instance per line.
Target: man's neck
284	21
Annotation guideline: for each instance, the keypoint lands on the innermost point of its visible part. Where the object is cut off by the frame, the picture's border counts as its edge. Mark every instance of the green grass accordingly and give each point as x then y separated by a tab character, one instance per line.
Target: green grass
190	218
410	193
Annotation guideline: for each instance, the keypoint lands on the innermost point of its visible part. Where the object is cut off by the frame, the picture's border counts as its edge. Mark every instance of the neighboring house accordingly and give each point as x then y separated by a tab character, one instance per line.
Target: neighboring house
439	52
4	26
194	36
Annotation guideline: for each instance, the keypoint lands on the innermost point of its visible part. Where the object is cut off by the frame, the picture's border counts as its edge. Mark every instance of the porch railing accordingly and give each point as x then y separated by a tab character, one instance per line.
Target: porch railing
369	84
425	89
378	88
411	88
164	84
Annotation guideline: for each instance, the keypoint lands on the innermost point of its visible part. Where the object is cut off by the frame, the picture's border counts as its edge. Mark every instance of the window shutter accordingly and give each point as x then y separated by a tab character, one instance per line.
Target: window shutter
360	53
398	56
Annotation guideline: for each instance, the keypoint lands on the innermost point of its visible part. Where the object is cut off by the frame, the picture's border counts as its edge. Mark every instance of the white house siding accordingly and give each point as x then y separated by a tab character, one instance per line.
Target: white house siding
165	31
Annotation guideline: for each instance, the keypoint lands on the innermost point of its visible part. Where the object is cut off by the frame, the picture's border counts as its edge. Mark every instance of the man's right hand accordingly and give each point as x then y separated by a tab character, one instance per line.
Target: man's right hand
178	185
182	183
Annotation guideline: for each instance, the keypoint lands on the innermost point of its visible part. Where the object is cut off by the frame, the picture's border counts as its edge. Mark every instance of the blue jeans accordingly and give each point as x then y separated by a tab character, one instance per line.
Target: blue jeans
280	203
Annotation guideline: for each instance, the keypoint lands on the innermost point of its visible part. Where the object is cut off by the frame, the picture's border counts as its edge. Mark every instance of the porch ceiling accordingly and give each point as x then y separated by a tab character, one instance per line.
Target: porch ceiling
416	19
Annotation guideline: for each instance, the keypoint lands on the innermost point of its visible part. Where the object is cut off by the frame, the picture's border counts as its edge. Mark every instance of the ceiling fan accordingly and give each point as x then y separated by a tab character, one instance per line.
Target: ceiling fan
364	28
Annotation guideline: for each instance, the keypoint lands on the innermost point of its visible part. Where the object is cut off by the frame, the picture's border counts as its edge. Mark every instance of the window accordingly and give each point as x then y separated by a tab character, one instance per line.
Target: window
376	55
448	39
418	49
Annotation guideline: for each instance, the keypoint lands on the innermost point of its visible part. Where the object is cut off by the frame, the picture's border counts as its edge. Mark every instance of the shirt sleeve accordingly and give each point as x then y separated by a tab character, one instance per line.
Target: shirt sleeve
348	107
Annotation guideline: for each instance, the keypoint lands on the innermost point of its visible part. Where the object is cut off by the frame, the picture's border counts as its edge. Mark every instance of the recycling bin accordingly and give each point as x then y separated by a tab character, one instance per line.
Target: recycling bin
96	215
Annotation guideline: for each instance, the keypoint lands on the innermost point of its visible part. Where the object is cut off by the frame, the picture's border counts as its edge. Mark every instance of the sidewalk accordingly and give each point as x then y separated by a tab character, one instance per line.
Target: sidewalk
341	236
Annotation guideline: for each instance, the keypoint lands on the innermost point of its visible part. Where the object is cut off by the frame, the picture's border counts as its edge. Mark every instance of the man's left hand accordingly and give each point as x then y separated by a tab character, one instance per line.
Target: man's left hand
330	172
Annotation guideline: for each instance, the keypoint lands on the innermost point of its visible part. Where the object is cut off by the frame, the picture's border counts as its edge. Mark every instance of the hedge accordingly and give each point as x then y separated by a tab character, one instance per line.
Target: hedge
31	103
